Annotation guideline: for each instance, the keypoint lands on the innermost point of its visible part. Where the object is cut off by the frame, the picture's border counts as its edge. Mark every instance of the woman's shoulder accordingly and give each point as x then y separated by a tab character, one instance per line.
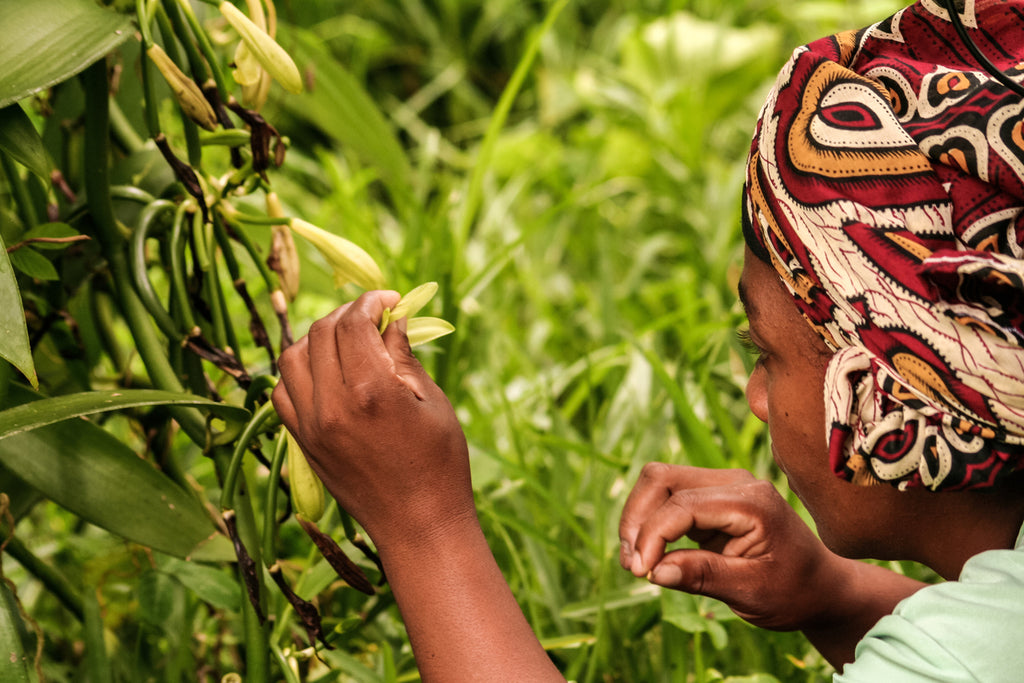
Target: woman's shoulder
964	630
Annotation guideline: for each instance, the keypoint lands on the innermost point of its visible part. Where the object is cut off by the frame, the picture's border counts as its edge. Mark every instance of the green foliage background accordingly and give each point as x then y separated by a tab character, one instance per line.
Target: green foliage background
585	232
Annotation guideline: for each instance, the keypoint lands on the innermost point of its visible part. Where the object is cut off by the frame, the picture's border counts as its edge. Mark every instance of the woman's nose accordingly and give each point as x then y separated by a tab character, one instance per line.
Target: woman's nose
757	393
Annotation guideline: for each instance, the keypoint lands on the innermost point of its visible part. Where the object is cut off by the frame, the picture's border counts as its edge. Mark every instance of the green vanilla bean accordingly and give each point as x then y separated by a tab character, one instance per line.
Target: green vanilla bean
179	289
270	509
131	193
143	286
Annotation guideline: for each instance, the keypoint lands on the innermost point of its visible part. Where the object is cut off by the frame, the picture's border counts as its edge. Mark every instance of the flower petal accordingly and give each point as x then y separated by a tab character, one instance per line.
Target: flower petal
423	330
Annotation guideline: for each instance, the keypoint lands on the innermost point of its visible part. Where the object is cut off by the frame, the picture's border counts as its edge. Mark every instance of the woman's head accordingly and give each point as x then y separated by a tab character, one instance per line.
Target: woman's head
886	189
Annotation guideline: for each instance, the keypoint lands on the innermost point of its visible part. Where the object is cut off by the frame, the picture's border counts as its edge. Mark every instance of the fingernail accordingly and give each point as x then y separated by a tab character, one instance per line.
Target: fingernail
637	565
666	575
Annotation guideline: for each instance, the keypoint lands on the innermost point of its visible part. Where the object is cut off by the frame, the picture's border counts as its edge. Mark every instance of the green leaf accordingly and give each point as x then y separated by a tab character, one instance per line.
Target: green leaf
51	231
47	411
30	262
86	470
14	663
213	585
14	344
48	41
20	139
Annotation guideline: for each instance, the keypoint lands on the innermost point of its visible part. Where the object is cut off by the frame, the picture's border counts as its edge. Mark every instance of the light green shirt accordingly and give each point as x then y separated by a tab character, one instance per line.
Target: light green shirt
971	629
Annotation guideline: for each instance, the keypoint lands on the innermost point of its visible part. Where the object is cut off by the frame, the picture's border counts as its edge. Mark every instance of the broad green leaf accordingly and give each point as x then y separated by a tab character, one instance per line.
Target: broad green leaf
30	262
46	411
48	41
14	344
20	139
341	108
92	474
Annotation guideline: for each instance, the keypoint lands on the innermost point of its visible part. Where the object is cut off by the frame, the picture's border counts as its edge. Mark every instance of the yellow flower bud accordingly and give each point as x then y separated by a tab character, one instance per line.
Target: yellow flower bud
265	49
348	261
185	90
307	489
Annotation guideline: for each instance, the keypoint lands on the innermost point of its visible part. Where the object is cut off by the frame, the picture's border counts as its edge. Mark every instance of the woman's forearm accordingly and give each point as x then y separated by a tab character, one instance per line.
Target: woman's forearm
864	593
462	619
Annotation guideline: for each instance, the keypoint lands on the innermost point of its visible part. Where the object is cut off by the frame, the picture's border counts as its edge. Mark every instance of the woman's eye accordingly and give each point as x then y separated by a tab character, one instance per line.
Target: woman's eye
743	336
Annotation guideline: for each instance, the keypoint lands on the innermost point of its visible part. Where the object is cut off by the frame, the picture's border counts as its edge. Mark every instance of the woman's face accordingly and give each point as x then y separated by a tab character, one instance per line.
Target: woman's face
785	391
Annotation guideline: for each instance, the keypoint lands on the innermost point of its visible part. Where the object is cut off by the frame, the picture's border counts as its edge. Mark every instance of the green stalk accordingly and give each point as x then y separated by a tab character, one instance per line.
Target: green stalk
96	659
206	47
102	312
26	207
112	243
254	253
197	65
264	413
195	149
123	131
148	86
55	582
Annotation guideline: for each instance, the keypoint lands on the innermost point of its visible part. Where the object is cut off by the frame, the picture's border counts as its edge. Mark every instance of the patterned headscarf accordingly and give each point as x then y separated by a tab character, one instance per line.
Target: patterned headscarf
886	186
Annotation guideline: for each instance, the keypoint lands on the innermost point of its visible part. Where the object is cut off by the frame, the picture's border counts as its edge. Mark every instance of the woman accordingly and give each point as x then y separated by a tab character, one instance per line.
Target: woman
884	188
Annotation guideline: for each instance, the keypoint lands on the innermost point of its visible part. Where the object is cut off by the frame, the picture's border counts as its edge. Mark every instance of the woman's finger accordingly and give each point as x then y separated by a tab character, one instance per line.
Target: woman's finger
656	484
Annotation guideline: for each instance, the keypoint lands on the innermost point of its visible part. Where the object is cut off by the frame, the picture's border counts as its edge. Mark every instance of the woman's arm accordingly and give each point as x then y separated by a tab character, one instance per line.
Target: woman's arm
755	554
385	441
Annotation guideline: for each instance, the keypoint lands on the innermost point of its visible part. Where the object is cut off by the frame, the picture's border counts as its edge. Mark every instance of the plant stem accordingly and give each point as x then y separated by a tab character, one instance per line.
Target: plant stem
212	59
54	581
26	207
195	149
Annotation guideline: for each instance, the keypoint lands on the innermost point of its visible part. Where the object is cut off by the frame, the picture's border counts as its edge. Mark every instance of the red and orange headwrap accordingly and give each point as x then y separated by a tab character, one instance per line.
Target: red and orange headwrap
886	186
